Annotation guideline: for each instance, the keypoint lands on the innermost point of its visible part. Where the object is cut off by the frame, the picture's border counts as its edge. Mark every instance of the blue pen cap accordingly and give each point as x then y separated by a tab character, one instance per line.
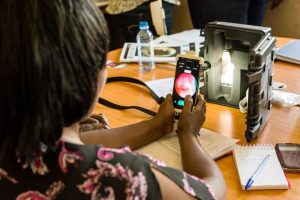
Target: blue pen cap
249	183
143	25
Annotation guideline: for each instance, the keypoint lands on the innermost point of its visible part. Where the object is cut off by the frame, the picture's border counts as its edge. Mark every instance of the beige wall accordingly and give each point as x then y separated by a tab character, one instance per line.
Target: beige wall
182	19
284	20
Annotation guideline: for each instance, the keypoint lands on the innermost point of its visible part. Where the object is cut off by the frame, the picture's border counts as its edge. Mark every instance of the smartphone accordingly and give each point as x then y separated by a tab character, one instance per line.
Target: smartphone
186	81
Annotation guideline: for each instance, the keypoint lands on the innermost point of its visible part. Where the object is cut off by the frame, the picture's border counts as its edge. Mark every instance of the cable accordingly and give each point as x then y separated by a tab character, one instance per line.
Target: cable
243	105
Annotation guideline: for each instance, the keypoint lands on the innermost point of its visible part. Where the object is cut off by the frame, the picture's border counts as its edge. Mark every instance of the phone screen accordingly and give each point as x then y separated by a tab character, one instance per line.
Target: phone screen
186	80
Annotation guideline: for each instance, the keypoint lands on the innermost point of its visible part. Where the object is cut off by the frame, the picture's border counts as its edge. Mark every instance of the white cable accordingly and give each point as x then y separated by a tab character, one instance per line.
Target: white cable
243	105
278	97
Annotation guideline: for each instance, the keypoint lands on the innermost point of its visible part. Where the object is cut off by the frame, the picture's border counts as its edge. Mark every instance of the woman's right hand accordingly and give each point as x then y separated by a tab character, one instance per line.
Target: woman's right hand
191	119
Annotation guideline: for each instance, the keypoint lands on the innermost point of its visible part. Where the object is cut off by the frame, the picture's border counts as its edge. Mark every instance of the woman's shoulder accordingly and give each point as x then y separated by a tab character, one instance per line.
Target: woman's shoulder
87	170
125	162
131	171
81	170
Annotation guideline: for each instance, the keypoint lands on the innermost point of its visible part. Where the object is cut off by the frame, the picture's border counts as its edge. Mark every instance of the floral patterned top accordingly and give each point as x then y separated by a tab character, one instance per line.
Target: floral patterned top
71	171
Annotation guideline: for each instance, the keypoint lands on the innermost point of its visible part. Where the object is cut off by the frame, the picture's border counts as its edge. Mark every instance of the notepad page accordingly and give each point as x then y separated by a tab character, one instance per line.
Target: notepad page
248	158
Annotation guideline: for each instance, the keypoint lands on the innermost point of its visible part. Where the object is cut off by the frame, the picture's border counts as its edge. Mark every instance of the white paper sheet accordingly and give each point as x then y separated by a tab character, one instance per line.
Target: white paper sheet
183	39
161	87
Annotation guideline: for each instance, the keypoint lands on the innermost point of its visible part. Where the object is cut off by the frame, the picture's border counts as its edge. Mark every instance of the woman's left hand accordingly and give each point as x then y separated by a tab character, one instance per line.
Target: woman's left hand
94	122
165	116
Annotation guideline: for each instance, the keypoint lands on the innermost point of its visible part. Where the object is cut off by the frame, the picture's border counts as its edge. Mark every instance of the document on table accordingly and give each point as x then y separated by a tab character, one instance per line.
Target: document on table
164	86
168	148
163	53
161	87
289	52
183	39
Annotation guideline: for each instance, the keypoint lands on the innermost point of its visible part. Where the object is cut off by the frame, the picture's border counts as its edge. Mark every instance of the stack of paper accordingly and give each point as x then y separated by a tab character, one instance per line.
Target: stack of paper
290	52
168	148
163	53
166	47
163	87
183	39
216	145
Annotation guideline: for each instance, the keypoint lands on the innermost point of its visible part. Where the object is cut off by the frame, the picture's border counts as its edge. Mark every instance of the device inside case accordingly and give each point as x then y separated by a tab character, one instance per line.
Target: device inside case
241	58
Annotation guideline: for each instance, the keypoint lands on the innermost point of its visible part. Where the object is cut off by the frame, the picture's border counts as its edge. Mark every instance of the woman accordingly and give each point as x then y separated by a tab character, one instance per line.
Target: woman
124	17
52	68
236	11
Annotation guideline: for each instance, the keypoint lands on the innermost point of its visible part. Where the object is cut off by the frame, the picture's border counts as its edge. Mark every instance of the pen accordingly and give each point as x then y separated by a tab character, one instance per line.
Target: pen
257	171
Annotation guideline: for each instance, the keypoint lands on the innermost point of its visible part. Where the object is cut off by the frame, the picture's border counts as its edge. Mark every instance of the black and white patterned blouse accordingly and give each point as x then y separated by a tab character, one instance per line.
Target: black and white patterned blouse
71	171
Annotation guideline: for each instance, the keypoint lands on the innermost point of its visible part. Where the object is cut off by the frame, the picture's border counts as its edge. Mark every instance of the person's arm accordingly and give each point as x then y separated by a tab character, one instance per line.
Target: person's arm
135	135
195	160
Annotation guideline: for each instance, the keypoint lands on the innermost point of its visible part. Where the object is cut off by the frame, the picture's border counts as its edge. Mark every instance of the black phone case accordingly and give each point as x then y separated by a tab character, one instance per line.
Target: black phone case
290	157
197	88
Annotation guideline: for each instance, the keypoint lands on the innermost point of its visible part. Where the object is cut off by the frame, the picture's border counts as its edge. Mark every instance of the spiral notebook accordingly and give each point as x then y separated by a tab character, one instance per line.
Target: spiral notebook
248	158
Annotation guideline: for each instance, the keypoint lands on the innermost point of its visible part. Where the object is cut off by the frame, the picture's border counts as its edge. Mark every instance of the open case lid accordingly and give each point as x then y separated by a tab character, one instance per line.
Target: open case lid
251	55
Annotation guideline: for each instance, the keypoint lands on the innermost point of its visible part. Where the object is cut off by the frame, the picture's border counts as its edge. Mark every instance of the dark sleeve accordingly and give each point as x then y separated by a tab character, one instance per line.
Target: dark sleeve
189	183
135	169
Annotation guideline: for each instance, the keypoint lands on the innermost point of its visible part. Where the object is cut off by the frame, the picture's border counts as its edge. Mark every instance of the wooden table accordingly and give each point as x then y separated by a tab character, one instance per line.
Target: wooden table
282	126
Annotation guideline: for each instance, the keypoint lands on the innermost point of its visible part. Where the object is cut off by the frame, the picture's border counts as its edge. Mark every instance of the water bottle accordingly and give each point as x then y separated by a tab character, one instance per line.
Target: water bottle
144	40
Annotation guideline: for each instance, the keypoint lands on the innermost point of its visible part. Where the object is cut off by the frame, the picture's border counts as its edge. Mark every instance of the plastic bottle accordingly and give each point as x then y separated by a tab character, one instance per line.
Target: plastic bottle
144	40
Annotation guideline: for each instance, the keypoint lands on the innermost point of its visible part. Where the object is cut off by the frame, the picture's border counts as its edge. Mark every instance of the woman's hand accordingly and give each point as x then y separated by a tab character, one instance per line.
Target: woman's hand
191	119
94	122
165	116
95	130
189	124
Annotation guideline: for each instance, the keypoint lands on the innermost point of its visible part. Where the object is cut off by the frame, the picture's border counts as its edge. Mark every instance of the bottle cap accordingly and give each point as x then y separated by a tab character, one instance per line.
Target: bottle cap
144	25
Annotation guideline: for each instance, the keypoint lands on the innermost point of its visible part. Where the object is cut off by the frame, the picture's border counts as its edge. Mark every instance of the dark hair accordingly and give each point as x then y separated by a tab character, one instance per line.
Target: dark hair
51	52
